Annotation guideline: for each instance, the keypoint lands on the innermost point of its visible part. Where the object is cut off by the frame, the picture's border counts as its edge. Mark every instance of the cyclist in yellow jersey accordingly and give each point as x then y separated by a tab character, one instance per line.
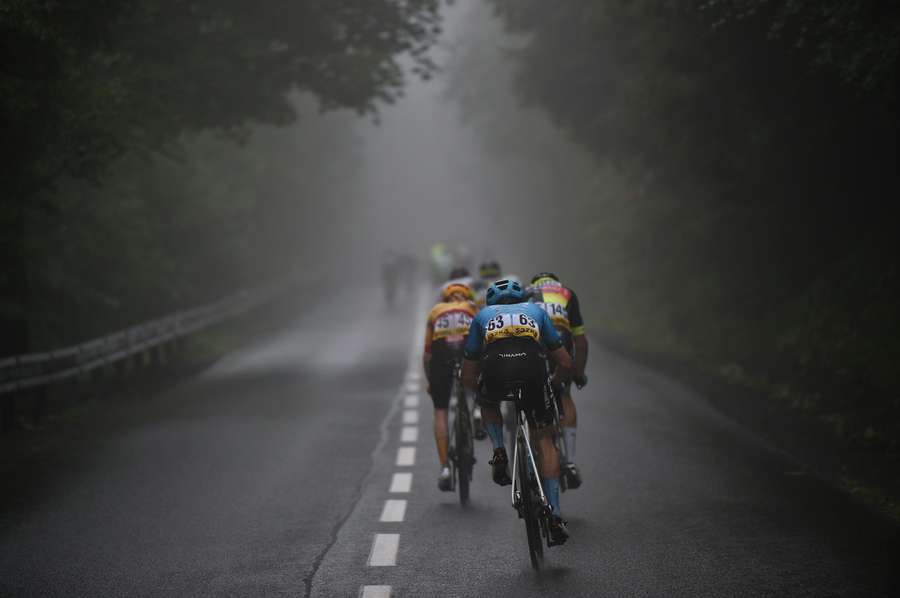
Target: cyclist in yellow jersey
561	304
445	337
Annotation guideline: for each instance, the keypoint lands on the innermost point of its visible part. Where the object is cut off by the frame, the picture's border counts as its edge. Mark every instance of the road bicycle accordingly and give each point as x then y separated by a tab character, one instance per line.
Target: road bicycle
510	423
527	494
462	446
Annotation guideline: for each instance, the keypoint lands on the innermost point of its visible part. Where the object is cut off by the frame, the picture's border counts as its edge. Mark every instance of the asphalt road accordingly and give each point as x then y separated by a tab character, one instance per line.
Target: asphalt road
270	474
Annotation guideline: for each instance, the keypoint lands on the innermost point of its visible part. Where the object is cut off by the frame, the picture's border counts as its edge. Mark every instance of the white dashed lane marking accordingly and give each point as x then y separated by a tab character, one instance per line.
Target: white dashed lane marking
412	387
401	483
409	434
411	401
406	456
375	592
394	510
384	550
410	416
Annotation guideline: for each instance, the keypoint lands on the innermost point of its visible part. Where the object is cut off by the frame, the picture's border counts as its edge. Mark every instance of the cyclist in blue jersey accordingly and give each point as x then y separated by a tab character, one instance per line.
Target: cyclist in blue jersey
507	343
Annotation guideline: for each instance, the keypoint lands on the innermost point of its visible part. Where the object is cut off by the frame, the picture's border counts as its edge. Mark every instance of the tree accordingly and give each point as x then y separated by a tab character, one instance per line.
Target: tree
84	83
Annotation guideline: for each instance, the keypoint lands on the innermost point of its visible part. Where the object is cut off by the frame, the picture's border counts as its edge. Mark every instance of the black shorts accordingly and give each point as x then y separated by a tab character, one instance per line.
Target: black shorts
513	362
444	357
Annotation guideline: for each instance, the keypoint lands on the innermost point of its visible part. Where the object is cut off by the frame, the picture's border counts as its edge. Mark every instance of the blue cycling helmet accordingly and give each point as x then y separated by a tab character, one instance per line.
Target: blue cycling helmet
504	291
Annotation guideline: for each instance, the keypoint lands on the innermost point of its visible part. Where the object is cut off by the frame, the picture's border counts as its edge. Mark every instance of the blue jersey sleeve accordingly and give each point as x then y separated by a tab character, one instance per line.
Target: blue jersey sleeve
475	340
549	336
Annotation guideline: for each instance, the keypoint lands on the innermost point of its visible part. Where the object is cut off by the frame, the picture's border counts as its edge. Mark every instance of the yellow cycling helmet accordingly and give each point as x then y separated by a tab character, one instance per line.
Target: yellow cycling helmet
456	287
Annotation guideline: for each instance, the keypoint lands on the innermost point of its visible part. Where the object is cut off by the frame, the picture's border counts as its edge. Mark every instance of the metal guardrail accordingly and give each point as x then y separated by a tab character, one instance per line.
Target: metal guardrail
31	371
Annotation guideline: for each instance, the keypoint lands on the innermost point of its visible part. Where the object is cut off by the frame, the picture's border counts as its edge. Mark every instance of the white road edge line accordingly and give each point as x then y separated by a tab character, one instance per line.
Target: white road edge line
406	456
401	483
384	550
409	434
411	401
394	510
410	416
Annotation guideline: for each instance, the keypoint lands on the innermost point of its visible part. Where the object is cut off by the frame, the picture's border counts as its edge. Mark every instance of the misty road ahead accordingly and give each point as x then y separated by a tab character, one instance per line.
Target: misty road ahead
712	178
275	465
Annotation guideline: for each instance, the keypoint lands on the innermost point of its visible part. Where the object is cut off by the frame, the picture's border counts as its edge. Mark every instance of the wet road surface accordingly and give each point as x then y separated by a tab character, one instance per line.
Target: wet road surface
303	464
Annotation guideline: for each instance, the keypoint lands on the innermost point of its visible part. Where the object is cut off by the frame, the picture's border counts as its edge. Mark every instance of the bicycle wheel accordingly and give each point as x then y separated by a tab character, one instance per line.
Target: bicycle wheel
530	506
464	447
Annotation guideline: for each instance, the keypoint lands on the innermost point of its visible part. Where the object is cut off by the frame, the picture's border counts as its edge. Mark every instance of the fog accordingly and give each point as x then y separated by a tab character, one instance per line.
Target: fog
457	160
716	181
712	183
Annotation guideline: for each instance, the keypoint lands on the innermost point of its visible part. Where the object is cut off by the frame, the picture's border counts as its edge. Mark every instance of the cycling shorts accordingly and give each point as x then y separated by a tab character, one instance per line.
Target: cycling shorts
512	362
444	356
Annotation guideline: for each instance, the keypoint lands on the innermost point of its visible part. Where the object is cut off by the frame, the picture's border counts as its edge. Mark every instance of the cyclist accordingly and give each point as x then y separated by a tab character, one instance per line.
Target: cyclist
445	336
459	275
561	304
488	272
506	343
441	262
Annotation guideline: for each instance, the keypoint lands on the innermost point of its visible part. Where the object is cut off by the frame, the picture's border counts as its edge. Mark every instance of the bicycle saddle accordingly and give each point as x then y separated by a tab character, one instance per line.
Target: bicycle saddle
511	389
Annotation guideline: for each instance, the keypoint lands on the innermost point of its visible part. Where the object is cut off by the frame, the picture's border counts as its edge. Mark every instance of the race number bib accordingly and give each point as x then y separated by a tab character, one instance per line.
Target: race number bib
558	314
452	324
510	325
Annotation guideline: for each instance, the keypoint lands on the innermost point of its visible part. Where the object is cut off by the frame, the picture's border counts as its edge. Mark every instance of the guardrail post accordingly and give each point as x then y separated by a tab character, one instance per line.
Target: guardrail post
9	412
96	379
39	404
160	355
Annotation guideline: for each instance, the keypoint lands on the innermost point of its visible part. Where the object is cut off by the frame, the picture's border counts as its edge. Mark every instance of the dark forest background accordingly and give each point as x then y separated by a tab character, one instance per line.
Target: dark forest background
124	193
751	232
758	142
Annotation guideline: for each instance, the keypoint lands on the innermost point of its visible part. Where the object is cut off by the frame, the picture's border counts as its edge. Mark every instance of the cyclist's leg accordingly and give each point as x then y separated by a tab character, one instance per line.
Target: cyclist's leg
542	440
441	434
493	423
548	464
441	383
548	467
569	422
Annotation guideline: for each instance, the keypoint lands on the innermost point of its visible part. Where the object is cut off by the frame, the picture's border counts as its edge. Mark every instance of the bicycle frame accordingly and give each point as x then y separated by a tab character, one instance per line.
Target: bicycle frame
522	432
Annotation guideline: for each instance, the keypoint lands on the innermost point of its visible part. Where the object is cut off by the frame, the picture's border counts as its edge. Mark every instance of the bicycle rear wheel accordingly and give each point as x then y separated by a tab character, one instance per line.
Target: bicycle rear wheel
465	448
530	506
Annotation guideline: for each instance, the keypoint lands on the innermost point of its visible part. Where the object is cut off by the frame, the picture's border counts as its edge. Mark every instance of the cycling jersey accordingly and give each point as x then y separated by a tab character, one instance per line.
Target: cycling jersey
508	340
448	326
518	320
448	323
561	304
479	288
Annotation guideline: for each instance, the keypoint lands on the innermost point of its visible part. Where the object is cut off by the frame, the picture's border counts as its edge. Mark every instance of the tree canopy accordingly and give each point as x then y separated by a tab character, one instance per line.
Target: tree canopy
759	141
86	87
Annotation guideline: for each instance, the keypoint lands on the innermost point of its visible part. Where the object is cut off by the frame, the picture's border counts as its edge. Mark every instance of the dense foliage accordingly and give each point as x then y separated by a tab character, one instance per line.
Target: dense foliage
85	86
759	139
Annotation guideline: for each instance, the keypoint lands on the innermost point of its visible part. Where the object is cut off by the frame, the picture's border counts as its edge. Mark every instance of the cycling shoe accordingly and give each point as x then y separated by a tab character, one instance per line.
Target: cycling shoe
445	484
500	467
572	475
559	532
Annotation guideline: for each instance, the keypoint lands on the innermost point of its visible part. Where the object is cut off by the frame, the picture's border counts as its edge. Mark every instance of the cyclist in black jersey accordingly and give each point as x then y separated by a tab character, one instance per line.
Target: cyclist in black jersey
561	304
